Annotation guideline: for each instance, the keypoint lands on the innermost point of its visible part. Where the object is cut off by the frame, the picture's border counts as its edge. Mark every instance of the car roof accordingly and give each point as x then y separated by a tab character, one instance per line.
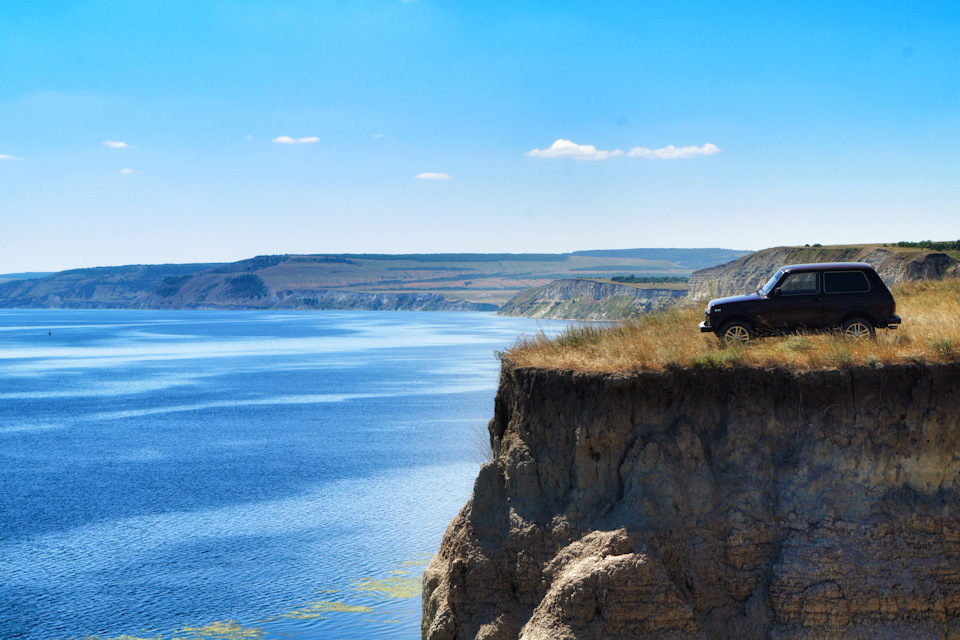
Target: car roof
827	266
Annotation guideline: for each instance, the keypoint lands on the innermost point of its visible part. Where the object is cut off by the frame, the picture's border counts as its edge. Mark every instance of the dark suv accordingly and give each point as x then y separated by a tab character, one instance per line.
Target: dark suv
849	296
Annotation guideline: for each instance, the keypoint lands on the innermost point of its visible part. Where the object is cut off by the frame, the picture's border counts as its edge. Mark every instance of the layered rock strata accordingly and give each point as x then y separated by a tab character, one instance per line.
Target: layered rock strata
710	504
582	299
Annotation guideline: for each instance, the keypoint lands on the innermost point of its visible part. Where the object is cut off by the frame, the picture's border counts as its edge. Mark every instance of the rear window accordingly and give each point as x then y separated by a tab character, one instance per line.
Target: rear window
845	282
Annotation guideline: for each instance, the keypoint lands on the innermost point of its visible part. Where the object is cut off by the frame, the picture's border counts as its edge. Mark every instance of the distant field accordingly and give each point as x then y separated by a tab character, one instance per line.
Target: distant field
476	277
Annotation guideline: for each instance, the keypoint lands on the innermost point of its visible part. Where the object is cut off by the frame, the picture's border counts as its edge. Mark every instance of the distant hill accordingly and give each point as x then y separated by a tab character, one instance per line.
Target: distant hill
24	275
693	258
94	288
405	281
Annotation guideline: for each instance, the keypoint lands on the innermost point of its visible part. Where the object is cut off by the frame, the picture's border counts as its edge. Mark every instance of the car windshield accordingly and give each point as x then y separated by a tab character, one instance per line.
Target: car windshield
767	288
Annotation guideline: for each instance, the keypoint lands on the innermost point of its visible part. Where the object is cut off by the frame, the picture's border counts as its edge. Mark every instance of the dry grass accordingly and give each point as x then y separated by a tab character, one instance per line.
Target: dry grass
670	339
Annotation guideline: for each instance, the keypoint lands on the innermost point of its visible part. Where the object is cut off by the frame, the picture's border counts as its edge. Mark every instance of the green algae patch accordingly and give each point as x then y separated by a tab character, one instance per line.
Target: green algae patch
400	585
420	561
226	630
403	582
317	610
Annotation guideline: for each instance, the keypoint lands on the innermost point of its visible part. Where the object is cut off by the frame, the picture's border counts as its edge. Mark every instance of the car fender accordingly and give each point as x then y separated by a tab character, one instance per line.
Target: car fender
738	315
857	312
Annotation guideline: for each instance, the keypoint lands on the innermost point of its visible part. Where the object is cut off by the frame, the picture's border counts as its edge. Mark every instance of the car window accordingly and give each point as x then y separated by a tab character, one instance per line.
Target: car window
771	283
799	283
845	282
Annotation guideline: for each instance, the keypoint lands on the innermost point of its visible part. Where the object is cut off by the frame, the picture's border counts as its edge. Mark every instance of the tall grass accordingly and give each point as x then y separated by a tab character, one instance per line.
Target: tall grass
667	339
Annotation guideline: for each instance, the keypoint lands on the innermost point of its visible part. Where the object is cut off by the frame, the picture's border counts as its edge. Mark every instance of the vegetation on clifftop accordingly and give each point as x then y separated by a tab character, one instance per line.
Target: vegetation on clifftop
670	339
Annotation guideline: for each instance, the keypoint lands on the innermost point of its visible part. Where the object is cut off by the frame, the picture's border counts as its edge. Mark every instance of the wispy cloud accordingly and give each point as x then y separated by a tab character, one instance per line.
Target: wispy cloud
115	144
429	175
671	152
289	140
6	157
127	172
569	149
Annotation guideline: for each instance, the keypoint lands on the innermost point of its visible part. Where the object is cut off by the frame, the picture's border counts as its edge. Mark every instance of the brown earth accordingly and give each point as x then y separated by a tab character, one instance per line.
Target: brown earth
713	504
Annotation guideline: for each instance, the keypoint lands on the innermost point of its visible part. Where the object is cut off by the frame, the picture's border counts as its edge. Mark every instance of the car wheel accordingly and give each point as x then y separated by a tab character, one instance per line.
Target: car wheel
858	328
736	332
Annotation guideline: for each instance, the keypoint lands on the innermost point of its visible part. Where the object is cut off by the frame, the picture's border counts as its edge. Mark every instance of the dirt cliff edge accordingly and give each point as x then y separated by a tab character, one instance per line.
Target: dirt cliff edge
733	503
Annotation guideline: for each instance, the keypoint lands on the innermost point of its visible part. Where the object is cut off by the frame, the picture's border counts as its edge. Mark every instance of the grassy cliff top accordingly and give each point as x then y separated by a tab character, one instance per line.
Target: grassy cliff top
670	339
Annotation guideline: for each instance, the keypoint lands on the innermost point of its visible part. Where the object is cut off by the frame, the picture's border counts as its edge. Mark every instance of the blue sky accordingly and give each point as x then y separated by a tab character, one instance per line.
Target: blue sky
167	131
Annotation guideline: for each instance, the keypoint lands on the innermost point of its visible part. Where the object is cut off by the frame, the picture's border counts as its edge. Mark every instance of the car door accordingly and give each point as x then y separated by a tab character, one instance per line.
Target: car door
797	301
845	292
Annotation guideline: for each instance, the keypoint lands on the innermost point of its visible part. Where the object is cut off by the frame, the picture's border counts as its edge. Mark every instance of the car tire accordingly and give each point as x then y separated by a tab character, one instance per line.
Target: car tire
858	328
736	332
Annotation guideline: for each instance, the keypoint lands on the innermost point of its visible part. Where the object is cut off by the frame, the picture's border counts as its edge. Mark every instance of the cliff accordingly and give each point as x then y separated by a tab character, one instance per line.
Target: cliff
95	288
580	299
746	274
735	503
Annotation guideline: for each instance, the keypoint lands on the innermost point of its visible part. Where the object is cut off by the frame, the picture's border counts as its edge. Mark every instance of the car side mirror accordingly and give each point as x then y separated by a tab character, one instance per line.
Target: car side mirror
776	292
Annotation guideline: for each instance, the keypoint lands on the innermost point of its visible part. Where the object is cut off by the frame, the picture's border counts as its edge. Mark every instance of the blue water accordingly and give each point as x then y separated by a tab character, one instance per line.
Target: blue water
211	474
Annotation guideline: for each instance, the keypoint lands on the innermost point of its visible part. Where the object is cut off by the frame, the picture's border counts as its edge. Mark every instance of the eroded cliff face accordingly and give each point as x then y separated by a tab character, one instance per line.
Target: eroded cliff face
709	504
581	299
746	274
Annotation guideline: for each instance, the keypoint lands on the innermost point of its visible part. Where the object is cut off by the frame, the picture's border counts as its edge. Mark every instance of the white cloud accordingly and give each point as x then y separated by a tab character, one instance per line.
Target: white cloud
671	152
289	140
429	175
113	144
570	149
378	135
6	157
127	172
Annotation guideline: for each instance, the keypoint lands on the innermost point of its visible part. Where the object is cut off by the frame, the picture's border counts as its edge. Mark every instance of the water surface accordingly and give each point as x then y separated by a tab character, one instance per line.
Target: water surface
211	474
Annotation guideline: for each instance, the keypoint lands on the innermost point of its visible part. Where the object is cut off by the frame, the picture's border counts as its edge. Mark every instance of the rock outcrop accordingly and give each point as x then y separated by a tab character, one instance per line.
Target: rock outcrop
581	299
710	504
746	274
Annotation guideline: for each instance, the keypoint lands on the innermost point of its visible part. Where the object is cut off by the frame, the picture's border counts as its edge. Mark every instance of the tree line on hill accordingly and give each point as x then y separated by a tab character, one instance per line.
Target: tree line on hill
649	279
931	245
